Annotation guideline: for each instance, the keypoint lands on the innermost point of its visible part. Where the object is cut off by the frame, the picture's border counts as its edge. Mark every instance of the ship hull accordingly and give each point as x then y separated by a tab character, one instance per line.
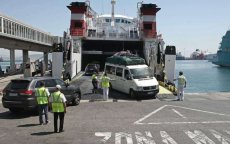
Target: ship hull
223	59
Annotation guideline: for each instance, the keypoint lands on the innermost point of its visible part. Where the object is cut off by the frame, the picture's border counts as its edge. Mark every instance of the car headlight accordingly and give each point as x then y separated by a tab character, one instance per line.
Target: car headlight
157	86
139	88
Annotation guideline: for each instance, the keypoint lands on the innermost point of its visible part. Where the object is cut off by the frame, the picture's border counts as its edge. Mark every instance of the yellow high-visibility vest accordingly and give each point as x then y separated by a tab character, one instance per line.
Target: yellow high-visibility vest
105	82
57	103
94	77
42	97
181	80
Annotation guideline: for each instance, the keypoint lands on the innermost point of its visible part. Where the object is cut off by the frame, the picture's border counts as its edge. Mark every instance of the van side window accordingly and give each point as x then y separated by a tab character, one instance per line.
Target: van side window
107	69
119	71
127	74
110	70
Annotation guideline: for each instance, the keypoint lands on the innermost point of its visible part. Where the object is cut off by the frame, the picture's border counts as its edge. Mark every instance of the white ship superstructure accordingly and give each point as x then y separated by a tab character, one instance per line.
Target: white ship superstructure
95	37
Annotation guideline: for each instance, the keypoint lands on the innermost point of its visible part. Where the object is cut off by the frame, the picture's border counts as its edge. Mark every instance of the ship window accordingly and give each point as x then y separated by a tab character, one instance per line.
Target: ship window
117	20
122	21
107	20
148	26
78	25
0	24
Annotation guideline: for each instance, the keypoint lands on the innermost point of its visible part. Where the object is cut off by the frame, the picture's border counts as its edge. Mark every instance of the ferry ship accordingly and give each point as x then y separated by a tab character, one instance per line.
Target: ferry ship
223	54
94	37
1	59
197	55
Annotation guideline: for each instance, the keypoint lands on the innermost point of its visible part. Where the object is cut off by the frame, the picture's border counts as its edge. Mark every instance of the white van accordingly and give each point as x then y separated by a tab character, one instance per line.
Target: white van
136	80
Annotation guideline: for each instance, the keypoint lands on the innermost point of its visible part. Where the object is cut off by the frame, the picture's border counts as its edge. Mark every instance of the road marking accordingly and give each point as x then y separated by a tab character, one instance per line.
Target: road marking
221	138
123	136
150	114
166	138
2	135
198	137
200	110
140	121
178	113
176	123
142	139
106	136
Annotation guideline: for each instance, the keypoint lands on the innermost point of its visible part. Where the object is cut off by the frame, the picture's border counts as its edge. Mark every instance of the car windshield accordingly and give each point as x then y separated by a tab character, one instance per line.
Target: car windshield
139	73
19	84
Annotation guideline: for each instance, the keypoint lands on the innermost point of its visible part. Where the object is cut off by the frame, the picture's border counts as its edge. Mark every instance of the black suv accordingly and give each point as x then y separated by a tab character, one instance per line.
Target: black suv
19	94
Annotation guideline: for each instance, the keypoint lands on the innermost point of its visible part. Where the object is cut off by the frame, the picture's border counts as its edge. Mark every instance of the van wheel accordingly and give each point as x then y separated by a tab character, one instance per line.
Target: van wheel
76	100
110	87
154	96
132	94
14	110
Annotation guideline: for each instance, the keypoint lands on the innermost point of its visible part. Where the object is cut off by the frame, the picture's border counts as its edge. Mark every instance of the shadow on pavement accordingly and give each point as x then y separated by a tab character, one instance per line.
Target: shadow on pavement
28	125
19	115
122	96
42	133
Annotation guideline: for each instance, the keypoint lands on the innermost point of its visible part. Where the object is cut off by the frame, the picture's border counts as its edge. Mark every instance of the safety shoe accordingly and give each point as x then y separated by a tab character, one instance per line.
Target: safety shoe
47	122
61	131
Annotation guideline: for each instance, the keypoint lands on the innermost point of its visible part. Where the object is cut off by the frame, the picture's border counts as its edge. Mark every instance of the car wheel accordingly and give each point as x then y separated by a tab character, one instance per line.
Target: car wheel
132	94
154	96
76	100
14	110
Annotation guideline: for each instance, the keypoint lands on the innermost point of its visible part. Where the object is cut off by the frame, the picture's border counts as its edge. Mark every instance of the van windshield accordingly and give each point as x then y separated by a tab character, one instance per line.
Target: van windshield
139	73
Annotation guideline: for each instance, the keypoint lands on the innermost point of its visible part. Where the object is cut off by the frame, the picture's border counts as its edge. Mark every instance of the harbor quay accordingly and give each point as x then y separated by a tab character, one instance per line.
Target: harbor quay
201	118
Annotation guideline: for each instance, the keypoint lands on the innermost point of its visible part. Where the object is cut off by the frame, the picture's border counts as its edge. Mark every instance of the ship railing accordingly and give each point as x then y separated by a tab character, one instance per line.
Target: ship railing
111	35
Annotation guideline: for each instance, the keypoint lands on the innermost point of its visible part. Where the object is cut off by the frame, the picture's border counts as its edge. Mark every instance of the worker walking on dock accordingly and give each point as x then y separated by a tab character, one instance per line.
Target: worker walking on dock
180	86
58	103
94	82
42	95
105	86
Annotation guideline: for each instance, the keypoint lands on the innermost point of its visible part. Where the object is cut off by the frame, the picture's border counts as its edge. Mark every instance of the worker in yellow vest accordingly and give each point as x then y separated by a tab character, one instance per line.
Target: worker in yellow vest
180	86
42	96
105	86
94	82
58	104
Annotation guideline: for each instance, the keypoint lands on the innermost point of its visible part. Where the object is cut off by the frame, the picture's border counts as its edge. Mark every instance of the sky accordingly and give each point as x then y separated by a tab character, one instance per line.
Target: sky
186	24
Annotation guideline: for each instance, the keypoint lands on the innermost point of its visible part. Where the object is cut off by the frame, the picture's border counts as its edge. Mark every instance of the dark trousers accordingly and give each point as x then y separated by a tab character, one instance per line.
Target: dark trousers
43	110
94	82
61	116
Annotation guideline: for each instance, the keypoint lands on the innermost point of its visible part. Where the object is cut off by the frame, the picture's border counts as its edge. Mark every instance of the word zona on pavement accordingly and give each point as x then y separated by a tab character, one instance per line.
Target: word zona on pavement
196	136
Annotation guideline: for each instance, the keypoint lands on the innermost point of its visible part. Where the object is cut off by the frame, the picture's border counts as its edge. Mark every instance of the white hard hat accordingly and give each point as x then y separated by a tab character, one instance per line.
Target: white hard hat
58	87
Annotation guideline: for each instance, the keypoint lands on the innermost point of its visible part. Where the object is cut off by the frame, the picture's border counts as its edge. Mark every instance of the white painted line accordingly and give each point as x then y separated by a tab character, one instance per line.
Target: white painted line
198	137
221	138
201	110
141	139
139	122
106	135
175	123
123	136
167	139
145	117
2	135
179	113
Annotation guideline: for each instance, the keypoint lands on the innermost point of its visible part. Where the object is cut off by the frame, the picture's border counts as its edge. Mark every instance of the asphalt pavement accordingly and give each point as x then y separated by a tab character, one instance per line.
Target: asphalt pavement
200	119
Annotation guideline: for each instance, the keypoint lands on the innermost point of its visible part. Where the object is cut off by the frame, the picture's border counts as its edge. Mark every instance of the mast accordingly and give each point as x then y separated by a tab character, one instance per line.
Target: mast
113	2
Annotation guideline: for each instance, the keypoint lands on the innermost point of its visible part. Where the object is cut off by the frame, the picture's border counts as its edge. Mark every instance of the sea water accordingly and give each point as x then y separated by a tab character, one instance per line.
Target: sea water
203	76
5	64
